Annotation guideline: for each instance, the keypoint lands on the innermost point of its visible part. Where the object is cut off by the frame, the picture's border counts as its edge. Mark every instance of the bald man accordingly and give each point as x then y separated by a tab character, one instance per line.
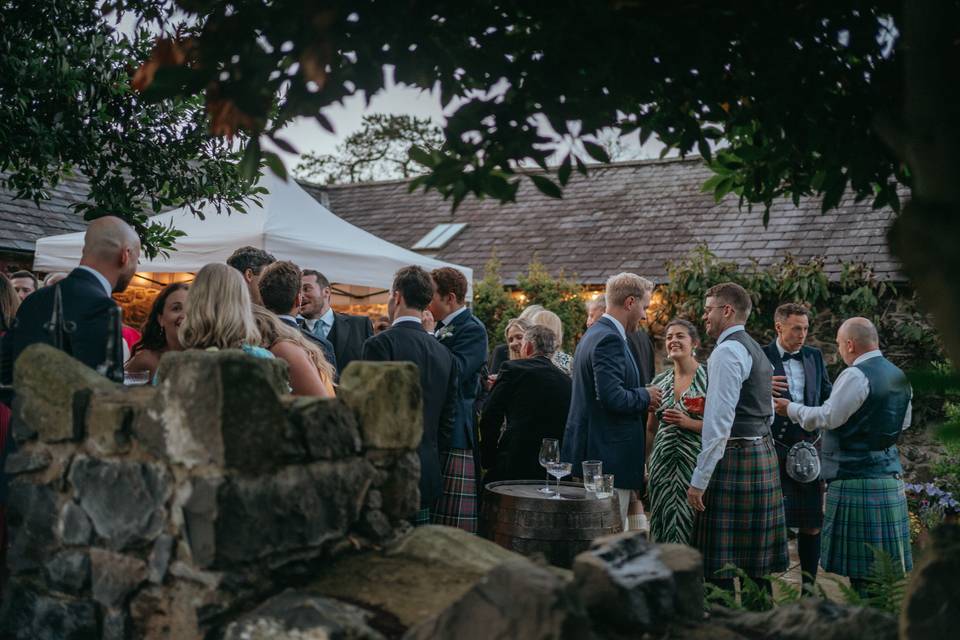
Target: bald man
111	252
869	406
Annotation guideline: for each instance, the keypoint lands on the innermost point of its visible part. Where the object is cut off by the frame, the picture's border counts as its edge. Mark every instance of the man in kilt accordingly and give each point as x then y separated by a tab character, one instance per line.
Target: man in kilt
801	376
868	408
465	337
735	487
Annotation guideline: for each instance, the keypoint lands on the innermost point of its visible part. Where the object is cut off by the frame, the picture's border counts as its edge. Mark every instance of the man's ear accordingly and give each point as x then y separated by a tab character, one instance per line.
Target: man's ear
248	275
298	300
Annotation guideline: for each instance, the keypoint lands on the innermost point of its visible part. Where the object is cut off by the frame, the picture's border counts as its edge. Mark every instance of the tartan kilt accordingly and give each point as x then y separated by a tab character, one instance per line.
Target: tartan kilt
457	504
860	513
802	501
744	523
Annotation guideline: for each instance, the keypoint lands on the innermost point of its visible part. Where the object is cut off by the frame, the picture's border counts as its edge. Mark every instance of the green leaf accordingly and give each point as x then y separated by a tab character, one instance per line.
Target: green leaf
250	163
283	144
563	173
420	155
547	186
595	151
275	163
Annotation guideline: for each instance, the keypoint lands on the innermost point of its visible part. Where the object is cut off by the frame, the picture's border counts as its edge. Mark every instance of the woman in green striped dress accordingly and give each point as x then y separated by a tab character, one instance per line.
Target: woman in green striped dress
673	435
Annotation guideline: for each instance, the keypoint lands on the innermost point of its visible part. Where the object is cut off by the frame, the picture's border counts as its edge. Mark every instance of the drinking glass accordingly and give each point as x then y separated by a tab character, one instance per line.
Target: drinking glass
559	470
549	454
591	469
136	378
604	485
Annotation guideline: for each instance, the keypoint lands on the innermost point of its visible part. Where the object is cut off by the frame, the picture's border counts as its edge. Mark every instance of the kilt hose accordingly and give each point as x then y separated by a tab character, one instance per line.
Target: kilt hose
861	513
744	523
802	501
457	504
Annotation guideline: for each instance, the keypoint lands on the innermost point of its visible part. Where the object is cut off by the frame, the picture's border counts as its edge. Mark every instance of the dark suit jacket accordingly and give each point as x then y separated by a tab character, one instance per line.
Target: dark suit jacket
86	304
323	343
408	342
607	407
466	340
347	337
816	390
534	397
642	348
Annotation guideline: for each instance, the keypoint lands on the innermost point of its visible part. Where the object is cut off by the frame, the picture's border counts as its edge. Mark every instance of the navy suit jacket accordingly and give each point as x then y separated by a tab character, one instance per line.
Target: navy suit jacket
607	408
86	304
347	336
408	342
321	342
467	342
816	390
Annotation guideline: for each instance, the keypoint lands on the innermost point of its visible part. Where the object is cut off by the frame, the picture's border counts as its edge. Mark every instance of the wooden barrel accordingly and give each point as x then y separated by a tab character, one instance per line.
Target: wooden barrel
515	515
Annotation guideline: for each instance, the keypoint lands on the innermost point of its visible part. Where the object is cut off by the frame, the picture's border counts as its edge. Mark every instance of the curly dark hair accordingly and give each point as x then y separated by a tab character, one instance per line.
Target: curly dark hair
279	286
415	285
449	280
250	258
151	333
689	326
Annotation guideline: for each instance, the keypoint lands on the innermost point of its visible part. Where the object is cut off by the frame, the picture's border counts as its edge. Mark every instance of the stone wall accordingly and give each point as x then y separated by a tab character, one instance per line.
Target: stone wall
164	511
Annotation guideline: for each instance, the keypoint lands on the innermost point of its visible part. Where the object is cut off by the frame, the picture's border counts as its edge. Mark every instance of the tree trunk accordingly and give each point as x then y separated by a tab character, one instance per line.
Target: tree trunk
926	236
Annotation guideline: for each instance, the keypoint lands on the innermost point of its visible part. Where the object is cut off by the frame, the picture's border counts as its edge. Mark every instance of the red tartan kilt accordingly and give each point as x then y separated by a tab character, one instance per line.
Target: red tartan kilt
457	504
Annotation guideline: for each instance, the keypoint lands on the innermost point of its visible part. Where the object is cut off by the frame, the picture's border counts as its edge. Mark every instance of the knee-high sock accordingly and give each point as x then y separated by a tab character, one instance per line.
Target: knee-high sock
808	548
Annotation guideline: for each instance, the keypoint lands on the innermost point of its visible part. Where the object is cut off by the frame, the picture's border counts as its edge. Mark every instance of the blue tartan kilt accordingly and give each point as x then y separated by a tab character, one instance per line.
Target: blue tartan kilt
457	504
743	524
860	514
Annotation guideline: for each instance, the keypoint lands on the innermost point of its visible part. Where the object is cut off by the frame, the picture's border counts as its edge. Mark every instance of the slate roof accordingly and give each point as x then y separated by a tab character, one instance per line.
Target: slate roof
22	221
632	216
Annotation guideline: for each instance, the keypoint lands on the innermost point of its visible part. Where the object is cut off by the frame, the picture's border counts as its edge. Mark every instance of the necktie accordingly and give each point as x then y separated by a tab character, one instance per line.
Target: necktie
436	331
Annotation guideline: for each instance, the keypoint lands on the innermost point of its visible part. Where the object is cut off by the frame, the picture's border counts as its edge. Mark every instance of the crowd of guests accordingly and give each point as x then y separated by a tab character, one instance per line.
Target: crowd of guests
708	446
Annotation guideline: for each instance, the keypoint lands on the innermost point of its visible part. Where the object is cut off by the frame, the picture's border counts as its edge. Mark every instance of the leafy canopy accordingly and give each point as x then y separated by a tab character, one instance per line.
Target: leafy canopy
66	107
379	150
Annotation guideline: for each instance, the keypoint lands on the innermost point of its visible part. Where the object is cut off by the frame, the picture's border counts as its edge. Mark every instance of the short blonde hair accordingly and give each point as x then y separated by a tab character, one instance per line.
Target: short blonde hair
529	311
623	285
550	320
273	330
219	312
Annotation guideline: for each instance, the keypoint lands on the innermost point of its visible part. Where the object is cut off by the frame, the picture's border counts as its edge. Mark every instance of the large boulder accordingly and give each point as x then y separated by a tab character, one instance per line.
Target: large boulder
933	594
517	599
297	615
629	584
386	397
28	615
32	518
809	619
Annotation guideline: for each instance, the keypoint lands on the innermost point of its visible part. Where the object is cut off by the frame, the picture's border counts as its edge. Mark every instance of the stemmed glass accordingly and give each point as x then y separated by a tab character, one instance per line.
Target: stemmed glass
549	455
559	470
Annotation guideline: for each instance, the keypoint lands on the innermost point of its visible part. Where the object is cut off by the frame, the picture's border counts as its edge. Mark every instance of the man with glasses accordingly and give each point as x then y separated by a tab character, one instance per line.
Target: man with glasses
735	487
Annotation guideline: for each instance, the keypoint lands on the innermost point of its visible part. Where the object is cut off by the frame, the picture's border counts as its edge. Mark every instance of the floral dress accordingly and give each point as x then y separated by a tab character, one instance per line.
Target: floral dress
673	460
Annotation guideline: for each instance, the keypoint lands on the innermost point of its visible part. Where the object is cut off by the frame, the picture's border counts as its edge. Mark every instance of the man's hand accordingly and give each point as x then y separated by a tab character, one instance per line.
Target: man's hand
429	323
780	406
656	395
695	499
780	386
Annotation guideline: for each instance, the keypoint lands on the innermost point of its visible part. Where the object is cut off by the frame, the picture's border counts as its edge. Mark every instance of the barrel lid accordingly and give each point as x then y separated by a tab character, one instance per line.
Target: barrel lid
531	489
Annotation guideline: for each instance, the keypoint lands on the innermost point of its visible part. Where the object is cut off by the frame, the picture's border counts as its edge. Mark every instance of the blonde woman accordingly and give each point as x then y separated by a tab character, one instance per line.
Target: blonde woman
310	373
219	313
550	320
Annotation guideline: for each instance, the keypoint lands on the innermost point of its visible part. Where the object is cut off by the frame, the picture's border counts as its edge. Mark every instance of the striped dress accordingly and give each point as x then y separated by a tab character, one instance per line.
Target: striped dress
672	462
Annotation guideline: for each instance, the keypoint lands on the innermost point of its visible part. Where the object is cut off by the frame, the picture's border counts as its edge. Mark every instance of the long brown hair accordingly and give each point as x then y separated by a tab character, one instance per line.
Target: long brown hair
9	303
152	336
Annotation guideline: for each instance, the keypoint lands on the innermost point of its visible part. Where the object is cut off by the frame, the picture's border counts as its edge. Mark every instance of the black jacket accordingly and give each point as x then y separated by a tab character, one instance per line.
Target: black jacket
347	337
641	346
323	343
85	304
408	342
816	390
533	395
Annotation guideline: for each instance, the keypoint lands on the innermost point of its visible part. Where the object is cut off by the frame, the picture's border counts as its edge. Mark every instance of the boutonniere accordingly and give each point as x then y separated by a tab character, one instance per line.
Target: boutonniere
694	406
445	333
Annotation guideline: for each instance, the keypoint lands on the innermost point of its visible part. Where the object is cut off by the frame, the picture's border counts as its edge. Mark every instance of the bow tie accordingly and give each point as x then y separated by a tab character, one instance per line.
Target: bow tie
792	356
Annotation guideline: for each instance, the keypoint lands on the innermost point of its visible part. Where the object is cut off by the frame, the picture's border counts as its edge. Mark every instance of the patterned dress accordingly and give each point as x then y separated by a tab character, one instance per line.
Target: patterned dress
672	462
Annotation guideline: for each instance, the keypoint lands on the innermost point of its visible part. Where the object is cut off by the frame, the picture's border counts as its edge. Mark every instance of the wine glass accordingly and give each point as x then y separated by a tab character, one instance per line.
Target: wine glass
559	470
549	454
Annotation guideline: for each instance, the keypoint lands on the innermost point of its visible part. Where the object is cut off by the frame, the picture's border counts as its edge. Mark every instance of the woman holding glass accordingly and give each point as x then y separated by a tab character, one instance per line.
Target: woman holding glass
673	435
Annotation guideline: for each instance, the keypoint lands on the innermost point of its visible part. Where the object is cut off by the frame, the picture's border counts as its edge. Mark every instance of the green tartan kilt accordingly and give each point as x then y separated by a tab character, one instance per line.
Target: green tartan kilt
863	513
744	522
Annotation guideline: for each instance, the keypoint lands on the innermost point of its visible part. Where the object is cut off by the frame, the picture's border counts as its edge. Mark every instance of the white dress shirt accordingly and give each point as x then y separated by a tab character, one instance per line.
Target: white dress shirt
416	319
102	279
849	393
446	321
327	318
729	365
796	380
616	323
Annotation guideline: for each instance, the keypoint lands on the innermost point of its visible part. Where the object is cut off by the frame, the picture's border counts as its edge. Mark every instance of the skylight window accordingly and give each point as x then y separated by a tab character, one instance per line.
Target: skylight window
439	236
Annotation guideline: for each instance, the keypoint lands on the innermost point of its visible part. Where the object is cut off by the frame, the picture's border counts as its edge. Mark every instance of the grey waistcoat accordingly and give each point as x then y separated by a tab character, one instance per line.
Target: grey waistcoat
754	408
